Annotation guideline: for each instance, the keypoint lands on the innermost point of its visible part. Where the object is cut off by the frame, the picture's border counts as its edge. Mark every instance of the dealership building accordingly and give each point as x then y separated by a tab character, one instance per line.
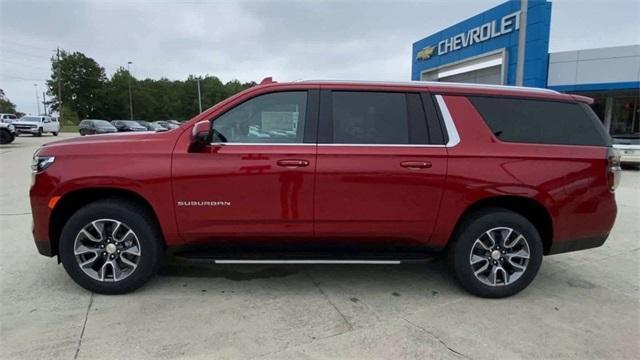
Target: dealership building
509	45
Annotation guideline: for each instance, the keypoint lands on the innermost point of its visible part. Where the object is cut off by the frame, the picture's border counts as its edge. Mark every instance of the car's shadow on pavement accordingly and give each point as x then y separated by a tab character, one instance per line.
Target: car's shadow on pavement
432	276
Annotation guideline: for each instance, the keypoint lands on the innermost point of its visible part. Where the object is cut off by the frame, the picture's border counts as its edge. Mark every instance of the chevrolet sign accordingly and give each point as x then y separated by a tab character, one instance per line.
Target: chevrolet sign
507	24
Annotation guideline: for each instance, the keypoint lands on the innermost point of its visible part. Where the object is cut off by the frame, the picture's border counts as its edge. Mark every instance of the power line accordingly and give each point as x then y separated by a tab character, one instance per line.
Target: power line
20	78
22	64
23	45
21	53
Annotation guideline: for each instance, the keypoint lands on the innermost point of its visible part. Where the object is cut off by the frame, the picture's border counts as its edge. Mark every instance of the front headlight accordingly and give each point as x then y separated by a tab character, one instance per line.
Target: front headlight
41	163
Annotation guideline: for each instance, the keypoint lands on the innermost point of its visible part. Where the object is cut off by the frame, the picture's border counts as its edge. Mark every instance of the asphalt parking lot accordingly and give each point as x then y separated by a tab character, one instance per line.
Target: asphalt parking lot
582	305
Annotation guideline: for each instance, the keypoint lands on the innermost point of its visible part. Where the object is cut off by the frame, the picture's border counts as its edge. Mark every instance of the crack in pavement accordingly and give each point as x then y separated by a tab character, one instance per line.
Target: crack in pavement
437	338
84	325
344	318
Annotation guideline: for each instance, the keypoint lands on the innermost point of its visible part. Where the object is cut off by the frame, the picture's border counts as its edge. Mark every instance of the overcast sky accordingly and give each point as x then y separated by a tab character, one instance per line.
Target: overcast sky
250	40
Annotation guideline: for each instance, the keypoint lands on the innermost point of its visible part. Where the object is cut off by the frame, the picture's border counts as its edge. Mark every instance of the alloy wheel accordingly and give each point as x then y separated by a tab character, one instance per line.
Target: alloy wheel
499	256
107	250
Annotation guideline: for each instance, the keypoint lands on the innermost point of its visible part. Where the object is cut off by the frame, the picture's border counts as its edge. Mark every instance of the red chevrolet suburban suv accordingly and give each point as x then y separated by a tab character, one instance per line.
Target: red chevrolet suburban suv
331	172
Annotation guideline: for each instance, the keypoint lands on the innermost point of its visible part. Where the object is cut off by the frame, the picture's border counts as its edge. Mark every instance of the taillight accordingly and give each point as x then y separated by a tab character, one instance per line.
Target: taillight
613	168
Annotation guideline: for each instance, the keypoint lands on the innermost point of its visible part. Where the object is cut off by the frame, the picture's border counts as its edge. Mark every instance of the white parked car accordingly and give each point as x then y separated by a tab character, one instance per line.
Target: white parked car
37	125
628	147
7	118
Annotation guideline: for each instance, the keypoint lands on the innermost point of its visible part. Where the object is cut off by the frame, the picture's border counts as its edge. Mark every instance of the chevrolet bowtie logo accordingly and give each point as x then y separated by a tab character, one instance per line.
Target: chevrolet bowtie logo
426	53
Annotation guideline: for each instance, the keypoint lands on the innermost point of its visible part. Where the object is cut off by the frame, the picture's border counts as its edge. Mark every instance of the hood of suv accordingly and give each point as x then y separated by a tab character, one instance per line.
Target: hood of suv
126	144
101	138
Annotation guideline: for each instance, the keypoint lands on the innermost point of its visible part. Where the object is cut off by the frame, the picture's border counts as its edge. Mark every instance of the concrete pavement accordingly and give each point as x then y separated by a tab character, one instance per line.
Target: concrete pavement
583	305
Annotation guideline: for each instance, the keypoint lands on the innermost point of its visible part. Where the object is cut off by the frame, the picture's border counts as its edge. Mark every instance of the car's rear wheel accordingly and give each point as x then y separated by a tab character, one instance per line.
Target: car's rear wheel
111	246
495	253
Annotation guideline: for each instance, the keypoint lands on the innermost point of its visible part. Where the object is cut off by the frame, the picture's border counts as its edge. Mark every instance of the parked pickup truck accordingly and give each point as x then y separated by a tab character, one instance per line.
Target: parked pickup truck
494	177
37	125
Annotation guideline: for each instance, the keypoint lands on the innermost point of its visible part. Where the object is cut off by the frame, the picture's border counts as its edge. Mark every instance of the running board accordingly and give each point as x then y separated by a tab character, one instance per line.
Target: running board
363	262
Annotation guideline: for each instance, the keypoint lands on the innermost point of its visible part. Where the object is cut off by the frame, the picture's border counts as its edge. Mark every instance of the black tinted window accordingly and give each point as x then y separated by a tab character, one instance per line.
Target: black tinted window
369	118
539	121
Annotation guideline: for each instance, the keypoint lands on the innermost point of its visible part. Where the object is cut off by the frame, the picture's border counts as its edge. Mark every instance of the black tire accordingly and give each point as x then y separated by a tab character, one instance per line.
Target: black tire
55	133
474	226
6	137
39	133
137	219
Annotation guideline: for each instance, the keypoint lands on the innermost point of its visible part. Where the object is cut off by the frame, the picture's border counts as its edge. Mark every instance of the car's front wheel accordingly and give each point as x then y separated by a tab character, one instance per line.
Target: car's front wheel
495	253
6	137
39	133
55	133
111	246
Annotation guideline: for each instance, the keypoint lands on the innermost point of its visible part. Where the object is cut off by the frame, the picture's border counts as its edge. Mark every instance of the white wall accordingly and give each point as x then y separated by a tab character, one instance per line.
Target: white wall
594	66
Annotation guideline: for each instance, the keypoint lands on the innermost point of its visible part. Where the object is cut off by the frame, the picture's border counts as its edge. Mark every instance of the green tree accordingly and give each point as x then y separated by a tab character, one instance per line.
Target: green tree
6	106
82	80
88	93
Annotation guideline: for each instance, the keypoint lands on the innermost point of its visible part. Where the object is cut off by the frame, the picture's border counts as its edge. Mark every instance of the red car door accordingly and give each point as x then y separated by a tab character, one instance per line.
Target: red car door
381	169
254	184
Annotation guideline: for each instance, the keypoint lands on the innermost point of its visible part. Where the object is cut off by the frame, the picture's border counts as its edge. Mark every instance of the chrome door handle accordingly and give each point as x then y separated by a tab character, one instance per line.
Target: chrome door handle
415	165
293	163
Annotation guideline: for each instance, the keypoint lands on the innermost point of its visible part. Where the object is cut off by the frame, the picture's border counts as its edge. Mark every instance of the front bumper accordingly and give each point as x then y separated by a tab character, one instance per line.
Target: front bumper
39	196
26	130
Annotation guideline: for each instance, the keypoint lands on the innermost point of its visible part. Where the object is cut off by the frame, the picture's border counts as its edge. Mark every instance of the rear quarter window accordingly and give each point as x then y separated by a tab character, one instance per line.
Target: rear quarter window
541	121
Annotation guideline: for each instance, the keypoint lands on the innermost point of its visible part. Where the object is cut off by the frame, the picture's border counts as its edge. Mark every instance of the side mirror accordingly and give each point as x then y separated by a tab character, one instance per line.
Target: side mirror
200	135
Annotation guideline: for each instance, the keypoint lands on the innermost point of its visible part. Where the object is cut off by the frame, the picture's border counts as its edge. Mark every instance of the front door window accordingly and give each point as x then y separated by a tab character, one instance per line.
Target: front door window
270	118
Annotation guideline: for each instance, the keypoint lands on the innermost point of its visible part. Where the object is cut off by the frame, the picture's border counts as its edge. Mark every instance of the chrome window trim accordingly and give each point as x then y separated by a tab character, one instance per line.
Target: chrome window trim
452	131
333	145
386	145
260	144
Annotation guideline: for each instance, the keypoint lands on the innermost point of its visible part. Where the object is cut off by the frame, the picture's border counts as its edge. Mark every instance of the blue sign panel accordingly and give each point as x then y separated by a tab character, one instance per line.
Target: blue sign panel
494	30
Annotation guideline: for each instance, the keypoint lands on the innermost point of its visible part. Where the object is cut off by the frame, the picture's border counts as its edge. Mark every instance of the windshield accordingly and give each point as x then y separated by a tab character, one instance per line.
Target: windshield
130	123
30	118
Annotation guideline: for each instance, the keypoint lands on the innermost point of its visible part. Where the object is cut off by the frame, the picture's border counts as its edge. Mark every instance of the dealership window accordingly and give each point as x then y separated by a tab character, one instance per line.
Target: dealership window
370	118
271	118
625	114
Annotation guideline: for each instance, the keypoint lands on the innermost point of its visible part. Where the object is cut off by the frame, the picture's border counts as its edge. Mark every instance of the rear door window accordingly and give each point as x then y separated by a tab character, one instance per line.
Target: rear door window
541	121
370	118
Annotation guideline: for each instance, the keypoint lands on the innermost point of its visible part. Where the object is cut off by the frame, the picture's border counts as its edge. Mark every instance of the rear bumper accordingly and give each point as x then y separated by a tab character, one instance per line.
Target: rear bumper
577	244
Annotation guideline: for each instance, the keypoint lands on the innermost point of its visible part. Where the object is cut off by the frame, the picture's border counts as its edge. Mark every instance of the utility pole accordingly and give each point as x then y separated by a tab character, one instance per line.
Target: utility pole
59	86
199	96
44	103
37	99
130	96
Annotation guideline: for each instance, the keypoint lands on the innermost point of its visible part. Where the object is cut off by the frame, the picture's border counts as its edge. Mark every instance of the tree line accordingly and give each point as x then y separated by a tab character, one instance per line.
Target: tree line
87	92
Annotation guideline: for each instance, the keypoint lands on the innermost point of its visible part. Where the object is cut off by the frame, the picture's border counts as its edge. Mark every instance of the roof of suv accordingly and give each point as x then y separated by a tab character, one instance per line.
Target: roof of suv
443	88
